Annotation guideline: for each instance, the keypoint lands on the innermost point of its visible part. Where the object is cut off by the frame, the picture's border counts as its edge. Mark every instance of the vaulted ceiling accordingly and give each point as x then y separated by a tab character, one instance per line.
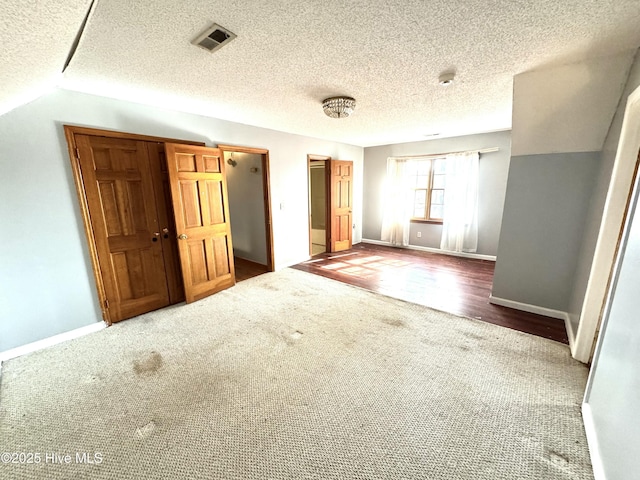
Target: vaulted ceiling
291	54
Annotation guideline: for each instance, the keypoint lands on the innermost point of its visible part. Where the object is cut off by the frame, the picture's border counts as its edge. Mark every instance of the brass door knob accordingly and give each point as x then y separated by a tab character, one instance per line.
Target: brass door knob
182	236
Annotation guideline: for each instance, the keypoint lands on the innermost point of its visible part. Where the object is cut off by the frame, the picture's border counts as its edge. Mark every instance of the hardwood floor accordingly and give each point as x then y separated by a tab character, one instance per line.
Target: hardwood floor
453	284
247	269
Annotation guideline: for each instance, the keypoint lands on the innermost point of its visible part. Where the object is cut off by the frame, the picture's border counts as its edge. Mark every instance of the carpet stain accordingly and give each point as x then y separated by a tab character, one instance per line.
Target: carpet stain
394	322
557	459
270	287
96	377
148	365
473	335
146	430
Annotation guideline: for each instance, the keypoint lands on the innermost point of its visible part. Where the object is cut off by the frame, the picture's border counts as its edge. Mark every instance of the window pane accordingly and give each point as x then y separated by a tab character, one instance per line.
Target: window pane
439	181
437	197
419	203
439	165
422	181
436	211
423	167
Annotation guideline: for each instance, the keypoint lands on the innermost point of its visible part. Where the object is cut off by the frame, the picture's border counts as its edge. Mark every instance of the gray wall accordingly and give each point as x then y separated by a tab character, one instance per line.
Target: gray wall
599	194
46	283
542	228
614	387
494	168
246	207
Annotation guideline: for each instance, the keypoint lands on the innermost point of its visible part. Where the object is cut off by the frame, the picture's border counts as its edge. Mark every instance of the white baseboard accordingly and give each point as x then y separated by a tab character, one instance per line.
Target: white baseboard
592	442
50	341
478	256
526	307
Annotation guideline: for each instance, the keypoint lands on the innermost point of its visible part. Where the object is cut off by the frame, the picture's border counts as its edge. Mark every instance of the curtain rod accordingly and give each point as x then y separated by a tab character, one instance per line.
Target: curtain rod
437	155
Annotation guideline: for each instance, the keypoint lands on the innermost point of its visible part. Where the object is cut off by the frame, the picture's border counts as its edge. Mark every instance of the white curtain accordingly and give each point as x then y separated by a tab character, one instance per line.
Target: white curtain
397	202
460	222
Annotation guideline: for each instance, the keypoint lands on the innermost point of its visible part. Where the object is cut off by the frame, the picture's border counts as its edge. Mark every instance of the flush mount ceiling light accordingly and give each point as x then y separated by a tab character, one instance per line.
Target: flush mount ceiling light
446	79
338	107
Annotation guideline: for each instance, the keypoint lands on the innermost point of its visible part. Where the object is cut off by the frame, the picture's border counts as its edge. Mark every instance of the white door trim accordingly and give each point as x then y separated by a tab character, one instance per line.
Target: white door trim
612	223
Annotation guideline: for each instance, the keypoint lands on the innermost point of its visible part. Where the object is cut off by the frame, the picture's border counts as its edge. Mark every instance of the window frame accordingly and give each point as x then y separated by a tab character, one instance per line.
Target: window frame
429	192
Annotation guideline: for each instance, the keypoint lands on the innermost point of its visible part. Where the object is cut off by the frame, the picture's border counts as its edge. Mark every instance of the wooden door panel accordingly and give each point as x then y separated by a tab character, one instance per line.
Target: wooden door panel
340	175
190	203
200	201
120	198
214	207
212	163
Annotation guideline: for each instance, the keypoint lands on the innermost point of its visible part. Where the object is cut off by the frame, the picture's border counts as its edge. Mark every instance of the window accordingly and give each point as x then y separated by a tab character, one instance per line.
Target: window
428	183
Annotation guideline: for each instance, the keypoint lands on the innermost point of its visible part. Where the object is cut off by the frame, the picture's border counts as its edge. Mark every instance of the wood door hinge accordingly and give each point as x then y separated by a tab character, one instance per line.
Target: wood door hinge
106	304
77	153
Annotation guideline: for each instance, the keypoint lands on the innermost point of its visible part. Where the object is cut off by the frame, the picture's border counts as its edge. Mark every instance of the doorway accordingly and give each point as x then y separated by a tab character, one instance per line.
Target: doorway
247	172
318	204
330	184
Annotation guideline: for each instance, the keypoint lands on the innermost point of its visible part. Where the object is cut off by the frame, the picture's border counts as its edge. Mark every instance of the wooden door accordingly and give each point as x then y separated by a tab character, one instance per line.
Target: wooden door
200	204
340	175
166	220
119	192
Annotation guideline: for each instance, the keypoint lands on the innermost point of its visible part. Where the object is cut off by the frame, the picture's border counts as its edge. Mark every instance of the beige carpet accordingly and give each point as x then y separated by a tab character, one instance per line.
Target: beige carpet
293	376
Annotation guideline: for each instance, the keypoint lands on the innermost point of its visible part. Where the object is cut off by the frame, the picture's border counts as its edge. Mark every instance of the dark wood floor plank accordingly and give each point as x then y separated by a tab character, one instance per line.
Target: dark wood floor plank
452	284
246	269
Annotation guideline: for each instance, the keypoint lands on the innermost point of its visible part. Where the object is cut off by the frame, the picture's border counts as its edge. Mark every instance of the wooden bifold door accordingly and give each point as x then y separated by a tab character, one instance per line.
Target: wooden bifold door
156	218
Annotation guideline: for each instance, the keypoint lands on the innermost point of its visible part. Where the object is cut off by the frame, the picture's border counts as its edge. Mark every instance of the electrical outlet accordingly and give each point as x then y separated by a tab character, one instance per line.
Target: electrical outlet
419	234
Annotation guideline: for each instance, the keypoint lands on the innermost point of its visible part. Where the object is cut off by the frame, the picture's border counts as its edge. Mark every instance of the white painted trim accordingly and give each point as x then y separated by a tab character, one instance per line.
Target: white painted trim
50	341
612	220
526	307
592	442
478	256
571	334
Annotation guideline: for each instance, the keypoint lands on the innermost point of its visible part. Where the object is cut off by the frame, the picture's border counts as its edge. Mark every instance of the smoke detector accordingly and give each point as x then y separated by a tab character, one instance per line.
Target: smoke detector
446	79
214	38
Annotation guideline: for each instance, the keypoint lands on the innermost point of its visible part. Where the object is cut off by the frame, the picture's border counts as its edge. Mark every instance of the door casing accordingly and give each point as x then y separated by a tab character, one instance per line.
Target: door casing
322	158
266	192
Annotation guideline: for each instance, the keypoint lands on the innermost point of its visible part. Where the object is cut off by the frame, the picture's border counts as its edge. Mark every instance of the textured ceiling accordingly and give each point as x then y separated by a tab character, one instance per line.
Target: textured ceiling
289	55
36	37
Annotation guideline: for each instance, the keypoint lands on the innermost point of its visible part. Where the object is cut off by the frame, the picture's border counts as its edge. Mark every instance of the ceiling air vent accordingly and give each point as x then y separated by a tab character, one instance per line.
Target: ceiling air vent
214	37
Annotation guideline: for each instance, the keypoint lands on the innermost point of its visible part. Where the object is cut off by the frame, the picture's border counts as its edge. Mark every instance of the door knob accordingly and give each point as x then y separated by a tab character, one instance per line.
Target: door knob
182	236
155	237
165	233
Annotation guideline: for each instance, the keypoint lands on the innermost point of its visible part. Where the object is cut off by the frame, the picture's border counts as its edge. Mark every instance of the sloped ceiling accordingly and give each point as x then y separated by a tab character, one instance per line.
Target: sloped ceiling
35	38
289	55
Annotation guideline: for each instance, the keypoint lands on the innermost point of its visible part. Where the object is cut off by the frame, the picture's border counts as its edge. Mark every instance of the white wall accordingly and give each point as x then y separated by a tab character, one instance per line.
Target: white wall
567	108
612	401
46	284
246	207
